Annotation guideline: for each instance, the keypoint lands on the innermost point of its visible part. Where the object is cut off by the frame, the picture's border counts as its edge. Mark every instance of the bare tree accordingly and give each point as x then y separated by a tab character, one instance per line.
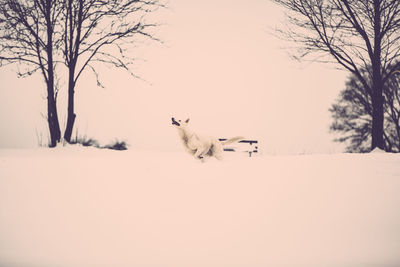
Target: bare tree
352	116
28	38
355	35
97	31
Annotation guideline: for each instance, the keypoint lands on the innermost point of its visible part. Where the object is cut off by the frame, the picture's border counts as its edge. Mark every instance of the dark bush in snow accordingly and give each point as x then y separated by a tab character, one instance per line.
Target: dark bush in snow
117	145
85	141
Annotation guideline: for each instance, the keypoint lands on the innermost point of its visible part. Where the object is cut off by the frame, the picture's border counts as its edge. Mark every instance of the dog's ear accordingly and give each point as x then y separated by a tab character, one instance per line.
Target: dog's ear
187	120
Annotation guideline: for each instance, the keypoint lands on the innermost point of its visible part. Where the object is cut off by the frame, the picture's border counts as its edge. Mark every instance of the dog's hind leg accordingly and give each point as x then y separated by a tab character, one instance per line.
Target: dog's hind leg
218	156
218	151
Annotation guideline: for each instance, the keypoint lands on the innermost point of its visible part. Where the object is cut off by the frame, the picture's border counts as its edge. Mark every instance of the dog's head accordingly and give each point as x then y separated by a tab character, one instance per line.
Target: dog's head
179	123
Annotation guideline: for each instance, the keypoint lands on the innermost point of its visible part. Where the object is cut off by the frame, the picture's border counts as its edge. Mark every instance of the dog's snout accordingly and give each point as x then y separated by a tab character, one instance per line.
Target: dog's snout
174	122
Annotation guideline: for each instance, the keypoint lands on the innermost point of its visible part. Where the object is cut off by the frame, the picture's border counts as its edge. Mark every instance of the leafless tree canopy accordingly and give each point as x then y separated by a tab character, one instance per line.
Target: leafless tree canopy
27	33
39	35
101	32
28	38
355	35
97	31
340	31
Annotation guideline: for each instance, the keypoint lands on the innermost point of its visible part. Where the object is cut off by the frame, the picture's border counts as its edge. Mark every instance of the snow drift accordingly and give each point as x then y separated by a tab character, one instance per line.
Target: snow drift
69	207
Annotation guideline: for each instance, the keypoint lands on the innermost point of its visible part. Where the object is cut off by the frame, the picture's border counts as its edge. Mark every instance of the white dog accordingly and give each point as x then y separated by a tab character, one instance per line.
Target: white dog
199	146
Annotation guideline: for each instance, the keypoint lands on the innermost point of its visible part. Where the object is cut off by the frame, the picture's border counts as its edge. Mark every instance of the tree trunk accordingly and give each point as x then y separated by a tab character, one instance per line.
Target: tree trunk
377	82
71	115
377	116
54	125
72	56
52	117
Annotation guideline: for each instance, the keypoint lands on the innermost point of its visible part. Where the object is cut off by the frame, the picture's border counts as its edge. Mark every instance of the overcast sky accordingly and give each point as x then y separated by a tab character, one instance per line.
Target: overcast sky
218	65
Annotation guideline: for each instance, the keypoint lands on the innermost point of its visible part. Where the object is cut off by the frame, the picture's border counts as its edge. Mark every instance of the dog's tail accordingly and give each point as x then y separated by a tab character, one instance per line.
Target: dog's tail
232	140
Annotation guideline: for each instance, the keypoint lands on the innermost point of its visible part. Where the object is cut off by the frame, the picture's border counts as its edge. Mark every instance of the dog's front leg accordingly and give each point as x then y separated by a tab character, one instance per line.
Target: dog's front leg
199	154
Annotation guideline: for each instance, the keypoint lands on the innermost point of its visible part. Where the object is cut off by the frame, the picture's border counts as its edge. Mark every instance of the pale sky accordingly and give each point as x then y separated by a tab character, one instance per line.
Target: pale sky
218	65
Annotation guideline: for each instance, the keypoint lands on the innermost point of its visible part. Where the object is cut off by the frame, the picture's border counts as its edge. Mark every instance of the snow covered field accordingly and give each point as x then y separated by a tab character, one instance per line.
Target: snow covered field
70	207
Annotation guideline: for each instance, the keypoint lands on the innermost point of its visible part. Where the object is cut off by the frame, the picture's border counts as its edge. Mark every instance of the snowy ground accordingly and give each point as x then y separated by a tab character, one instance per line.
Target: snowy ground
70	207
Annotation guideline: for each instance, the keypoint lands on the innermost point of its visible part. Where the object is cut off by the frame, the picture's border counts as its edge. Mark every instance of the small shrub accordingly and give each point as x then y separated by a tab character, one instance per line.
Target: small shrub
90	142
117	145
84	141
